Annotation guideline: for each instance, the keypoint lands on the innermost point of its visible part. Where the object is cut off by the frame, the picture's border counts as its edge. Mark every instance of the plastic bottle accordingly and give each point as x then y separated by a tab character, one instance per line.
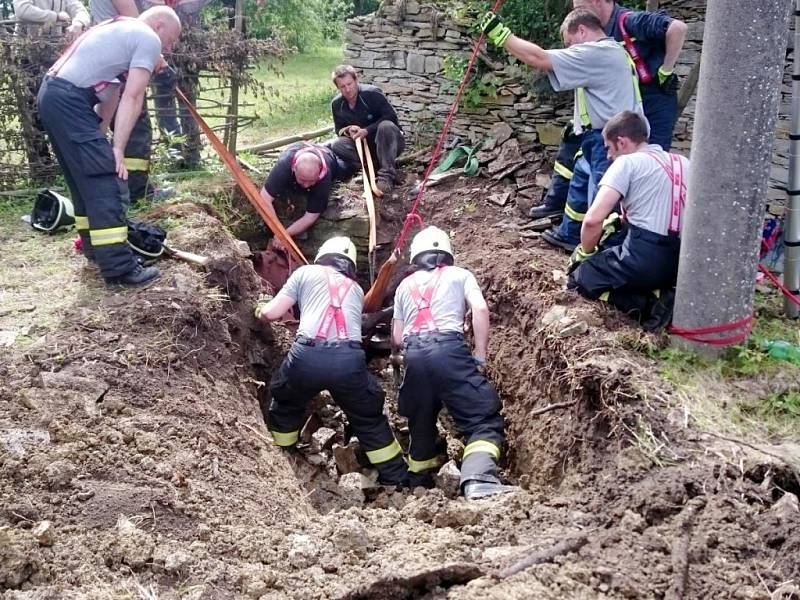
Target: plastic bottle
783	350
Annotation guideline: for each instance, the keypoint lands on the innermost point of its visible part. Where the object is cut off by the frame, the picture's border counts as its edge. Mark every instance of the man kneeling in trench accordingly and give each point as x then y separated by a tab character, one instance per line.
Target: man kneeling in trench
429	309
327	355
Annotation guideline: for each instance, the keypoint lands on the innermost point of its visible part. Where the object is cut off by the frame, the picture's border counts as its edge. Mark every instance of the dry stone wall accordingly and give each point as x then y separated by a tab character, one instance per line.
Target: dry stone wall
406	46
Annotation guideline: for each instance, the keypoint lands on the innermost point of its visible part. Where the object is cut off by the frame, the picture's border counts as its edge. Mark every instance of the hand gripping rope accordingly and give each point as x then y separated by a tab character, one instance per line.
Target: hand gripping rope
413	216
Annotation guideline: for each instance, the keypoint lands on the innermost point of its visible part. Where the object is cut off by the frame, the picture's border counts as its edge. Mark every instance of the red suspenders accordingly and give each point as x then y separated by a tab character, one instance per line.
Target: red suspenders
337	291
423	300
674	171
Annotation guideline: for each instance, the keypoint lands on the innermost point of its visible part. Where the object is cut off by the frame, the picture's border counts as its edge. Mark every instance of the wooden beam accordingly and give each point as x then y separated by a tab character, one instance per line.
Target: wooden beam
285	141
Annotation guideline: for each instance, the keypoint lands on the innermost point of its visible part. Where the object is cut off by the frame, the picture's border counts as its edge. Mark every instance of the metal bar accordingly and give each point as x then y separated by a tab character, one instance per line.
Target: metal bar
791	233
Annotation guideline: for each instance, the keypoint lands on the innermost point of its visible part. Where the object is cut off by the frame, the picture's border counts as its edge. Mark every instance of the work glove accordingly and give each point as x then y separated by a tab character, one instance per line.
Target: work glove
263	300
668	81
578	256
494	29
611	225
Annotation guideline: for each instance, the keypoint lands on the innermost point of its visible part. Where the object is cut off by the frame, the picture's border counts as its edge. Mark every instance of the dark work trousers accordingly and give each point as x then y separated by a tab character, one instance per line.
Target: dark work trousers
385	146
661	109
85	156
556	197
169	109
577	202
441	371
629	273
341	369
137	155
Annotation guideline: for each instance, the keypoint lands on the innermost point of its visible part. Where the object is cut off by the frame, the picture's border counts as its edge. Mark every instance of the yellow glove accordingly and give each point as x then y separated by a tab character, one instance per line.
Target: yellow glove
578	256
261	305
494	29
667	80
611	225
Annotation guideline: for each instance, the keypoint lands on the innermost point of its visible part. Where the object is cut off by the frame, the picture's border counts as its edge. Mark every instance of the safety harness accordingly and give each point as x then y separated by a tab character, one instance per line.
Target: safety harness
422	299
337	292
674	171
627	41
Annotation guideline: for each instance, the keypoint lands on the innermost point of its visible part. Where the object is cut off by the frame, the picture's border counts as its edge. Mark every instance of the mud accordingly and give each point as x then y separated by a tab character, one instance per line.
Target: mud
135	430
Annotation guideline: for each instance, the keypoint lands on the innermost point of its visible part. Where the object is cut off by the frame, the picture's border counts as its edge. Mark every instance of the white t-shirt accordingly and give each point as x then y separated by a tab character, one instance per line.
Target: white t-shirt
645	187
308	286
448	304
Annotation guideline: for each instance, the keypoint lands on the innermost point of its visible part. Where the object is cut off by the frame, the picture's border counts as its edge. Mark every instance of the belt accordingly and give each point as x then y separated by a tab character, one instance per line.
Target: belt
313	342
433	337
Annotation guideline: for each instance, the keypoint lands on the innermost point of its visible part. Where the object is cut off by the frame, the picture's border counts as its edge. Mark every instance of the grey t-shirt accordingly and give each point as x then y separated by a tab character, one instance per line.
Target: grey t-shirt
448	304
308	286
105	9
107	50
602	69
645	187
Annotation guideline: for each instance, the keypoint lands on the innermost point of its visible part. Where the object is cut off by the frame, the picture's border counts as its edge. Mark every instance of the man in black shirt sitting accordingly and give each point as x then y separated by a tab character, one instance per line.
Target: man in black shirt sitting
308	169
362	111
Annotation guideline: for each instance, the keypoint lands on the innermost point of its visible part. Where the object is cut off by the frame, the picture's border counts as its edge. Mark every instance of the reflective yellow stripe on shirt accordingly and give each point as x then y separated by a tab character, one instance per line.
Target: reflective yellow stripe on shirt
418	466
482	446
562	170
81	223
583	107
110	235
285	439
381	455
136	164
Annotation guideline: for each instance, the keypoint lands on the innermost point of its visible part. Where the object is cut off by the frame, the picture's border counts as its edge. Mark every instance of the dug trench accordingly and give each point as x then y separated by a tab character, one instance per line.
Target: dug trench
136	461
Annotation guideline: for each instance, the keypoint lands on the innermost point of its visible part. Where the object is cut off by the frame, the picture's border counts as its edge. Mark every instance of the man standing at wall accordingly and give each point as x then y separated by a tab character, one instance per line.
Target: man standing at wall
362	111
654	41
593	65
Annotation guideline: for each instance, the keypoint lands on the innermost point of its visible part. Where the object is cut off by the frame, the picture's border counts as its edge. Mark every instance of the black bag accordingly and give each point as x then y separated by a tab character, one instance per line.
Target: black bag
146	239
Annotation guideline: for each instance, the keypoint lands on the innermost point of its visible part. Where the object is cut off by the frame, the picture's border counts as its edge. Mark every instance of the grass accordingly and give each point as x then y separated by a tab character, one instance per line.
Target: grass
297	100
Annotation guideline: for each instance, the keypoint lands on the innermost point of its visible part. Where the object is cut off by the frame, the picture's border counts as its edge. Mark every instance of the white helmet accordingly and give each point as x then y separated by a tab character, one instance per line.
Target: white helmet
430	238
340	245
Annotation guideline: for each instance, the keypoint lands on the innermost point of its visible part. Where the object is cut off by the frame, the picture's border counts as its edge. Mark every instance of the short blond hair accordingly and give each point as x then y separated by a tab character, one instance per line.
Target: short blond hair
578	17
343	71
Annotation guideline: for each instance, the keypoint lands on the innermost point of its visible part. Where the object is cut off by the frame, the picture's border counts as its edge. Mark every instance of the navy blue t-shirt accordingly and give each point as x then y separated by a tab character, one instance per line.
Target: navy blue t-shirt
649	32
281	179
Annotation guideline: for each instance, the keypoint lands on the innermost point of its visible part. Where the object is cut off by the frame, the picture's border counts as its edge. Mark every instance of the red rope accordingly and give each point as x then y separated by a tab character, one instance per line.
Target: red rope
784	290
700	334
413	216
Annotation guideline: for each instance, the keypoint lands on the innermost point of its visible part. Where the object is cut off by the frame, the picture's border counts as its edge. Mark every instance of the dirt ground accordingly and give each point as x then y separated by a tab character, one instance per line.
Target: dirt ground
134	460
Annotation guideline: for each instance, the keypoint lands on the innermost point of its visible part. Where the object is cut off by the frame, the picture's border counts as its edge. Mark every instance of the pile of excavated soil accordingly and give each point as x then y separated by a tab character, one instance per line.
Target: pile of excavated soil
134	461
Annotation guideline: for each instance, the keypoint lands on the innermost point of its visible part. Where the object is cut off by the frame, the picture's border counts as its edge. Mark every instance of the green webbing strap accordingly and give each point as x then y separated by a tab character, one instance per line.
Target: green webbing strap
470	166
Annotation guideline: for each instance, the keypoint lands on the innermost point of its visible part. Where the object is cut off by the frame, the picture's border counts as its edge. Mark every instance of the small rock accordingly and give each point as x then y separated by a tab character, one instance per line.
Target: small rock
500	198
632	521
560	277
59	474
351	536
256	588
84	495
543	180
311	425
322	439
448	479
242	247
352	486
176	561
576	328
21	512
303	552
146	443
346	458
317	460
787	508
44	533
555	314
458	514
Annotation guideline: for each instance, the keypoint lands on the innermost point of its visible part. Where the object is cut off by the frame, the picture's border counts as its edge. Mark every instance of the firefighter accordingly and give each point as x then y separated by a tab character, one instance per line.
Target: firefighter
654	41
327	355
430	305
592	64
638	276
84	80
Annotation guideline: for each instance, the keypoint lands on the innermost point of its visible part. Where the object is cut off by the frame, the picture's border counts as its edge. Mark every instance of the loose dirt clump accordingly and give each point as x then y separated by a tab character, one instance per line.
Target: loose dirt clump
134	460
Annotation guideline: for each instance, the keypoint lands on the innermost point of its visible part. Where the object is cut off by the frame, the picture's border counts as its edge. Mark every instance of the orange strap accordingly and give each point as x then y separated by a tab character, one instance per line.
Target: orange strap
244	182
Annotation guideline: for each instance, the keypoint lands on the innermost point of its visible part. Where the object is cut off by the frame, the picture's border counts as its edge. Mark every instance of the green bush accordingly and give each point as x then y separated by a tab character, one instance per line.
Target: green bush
303	24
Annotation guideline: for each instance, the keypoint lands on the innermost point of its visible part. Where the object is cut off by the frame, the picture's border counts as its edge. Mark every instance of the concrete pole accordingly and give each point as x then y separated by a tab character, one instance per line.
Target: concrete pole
791	234
744	48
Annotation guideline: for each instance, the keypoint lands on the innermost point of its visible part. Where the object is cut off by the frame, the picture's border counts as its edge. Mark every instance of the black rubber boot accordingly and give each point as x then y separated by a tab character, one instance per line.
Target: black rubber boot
135	277
543	211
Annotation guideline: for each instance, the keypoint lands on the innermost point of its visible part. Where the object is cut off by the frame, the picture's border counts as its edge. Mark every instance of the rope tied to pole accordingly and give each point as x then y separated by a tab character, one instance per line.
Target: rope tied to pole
413	216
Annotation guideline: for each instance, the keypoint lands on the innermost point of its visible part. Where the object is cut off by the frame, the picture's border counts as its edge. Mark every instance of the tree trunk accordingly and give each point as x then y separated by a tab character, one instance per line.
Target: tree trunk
652	5
737	102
